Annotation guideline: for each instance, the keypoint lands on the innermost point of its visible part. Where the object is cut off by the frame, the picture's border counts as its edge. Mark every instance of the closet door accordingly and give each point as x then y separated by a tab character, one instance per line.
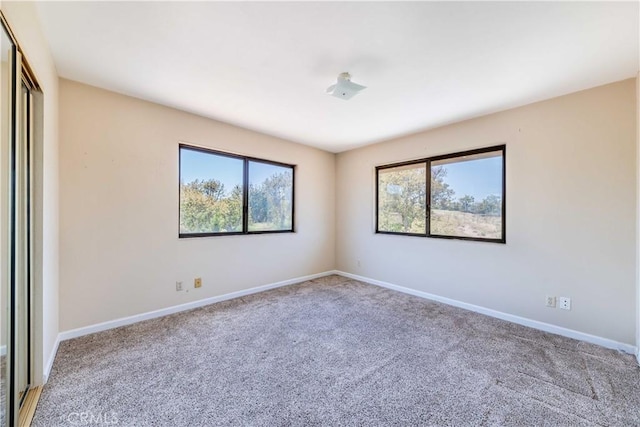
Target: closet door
7	59
23	245
8	78
16	230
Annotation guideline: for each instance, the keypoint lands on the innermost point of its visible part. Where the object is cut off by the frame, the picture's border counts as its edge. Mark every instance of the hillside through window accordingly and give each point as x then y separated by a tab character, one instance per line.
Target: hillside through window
463	199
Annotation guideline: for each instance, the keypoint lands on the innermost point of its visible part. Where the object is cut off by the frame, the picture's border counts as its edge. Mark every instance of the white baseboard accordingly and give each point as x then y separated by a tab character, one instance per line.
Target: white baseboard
75	333
547	327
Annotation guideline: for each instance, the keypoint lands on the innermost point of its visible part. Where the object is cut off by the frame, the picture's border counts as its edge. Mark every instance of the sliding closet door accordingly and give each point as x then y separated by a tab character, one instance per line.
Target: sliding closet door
22	242
13	361
7	52
16	228
16	237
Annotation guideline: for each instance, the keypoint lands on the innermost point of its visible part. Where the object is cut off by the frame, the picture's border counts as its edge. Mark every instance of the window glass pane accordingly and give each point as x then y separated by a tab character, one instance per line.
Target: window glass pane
270	197
210	192
402	199
466	196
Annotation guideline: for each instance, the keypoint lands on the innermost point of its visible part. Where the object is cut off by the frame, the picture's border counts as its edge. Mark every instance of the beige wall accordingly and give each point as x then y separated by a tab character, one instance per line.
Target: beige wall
571	214
120	254
23	20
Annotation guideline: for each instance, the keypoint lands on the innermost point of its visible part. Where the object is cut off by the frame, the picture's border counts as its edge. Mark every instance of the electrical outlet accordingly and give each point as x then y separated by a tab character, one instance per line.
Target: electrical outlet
564	303
197	282
550	301
178	286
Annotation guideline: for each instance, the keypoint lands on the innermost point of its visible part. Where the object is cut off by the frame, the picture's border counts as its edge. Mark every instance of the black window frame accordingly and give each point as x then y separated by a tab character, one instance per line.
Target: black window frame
245	192
427	162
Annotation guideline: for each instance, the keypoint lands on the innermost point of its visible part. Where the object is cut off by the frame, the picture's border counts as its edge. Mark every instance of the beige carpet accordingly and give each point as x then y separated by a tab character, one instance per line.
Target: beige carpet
334	351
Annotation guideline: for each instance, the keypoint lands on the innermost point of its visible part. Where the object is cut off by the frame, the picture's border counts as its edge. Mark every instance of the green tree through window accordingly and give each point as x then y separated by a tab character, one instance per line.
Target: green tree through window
270	197
464	197
212	190
402	199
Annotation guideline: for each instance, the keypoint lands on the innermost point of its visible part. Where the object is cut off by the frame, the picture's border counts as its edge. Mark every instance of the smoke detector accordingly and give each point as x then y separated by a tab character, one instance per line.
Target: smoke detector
344	88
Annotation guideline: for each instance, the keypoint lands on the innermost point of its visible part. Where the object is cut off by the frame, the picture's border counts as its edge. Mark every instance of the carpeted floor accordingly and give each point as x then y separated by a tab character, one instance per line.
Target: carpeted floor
334	351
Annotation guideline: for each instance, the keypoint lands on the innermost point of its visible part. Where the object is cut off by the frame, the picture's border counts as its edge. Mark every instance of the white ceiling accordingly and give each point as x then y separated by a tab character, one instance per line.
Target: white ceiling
265	65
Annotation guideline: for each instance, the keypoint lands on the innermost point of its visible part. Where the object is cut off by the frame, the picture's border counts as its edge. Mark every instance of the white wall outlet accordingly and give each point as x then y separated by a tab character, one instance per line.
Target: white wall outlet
359	263
550	301
178	286
564	303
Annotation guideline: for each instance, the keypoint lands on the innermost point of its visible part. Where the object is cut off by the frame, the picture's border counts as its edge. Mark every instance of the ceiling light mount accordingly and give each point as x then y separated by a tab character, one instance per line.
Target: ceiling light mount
344	88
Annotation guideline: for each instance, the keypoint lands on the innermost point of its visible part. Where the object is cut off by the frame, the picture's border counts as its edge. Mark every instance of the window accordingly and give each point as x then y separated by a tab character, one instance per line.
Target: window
463	199
270	197
223	193
402	199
